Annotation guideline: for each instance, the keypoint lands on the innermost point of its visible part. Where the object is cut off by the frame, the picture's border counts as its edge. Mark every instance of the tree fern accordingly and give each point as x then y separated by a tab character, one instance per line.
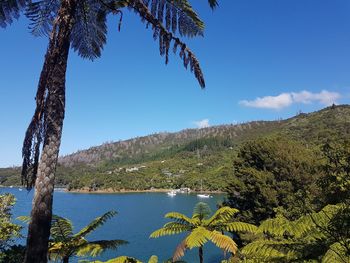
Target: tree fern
304	238
201	228
10	10
41	15
97	222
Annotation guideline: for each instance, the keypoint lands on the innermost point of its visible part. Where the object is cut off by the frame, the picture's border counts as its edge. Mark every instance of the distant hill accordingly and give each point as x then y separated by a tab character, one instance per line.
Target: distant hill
168	160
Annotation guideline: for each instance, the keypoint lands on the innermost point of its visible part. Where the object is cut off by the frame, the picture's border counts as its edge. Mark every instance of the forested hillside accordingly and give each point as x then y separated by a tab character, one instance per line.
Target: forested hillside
189	157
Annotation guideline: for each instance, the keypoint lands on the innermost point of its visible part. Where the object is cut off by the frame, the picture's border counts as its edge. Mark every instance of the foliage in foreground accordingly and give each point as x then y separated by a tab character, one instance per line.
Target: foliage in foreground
319	236
64	244
202	227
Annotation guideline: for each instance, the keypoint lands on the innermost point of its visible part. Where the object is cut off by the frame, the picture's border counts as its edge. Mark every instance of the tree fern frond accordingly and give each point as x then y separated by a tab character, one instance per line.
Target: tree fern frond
240	227
336	253
89	31
166	38
122	259
276	226
180	250
223	214
10	10
97	222
223	242
170	230
95	248
24	219
201	211
61	228
41	15
153	259
267	250
177	15
180	218
213	4
198	237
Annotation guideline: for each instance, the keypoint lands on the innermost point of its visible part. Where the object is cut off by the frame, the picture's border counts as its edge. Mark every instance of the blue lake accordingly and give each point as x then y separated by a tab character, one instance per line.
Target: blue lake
139	214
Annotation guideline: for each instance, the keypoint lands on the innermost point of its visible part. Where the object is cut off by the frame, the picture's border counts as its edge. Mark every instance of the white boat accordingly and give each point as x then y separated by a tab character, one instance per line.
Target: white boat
203	196
20	189
171	193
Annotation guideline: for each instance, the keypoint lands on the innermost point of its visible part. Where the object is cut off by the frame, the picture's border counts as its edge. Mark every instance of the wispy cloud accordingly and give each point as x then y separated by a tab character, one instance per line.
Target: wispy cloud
284	100
202	123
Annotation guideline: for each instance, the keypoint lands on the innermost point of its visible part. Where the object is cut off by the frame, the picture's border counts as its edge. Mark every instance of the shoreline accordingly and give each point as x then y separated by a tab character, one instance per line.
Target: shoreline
113	191
126	191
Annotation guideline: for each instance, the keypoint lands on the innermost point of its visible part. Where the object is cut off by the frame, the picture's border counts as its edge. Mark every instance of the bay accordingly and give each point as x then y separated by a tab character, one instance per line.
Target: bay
139	214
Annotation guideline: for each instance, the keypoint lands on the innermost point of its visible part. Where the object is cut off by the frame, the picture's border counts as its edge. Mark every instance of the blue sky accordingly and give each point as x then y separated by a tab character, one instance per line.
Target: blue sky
262	59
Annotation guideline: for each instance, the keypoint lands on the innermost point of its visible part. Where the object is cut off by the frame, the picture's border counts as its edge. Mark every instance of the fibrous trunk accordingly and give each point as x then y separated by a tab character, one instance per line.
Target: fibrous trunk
55	65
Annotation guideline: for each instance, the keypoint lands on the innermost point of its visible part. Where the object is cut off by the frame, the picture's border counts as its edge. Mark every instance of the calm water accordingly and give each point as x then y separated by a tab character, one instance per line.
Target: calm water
139	214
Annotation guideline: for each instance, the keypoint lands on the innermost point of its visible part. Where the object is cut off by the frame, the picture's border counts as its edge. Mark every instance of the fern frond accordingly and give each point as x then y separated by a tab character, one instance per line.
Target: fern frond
99	221
166	39
61	228
276	226
177	15
41	15
223	242
95	248
213	4
89	31
223	214
10	10
240	227
198	237
170	228
268	250
335	253
201	211
122	259
153	259
24	219
180	250
180	218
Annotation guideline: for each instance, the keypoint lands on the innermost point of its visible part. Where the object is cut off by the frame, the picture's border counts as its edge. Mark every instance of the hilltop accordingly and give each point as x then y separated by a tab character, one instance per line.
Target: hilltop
169	160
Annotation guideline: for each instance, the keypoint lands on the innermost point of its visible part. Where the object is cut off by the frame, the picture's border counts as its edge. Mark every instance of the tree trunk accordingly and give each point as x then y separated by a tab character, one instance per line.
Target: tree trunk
65	260
200	252
39	227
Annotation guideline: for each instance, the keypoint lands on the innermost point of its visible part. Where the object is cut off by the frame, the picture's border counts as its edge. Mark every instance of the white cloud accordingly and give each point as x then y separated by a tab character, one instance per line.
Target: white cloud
286	99
270	102
202	124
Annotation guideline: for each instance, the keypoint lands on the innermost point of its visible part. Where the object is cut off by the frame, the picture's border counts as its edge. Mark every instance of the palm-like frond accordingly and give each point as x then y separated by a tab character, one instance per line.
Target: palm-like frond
223	242
180	218
170	228
41	15
61	228
336	253
239	227
95	248
89	31
122	259
201	211
223	214
177	15
268	250
180	250
153	259
10	10
166	39
198	237
97	222
213	3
